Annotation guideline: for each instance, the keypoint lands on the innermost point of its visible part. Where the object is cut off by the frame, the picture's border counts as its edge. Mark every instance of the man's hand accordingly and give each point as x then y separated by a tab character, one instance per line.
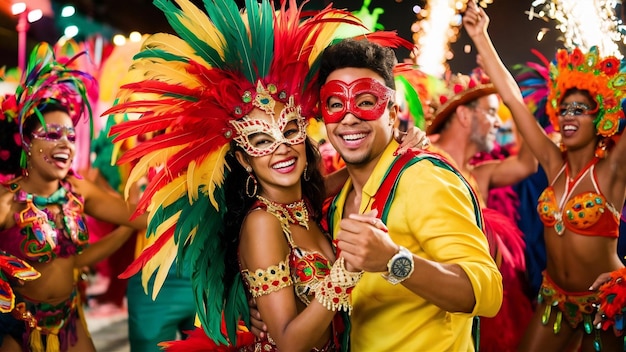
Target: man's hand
365	243
258	327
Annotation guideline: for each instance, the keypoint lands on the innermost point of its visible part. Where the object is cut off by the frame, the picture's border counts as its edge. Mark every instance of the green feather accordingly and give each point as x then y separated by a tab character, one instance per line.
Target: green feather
160	54
206	253
161	214
236	308
413	102
262	34
201	48
238	50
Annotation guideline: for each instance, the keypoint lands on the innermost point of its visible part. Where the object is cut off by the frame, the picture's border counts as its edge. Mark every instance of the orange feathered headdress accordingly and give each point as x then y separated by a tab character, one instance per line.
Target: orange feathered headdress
601	77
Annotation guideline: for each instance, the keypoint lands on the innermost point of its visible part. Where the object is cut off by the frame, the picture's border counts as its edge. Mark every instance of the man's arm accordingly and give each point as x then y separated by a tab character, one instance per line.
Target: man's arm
507	172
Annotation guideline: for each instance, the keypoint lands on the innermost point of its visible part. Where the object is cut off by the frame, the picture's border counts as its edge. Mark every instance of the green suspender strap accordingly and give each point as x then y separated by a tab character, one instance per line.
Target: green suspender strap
385	194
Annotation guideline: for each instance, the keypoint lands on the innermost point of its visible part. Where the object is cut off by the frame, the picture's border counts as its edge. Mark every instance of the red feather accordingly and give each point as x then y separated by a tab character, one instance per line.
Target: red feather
387	38
198	341
147	123
147	254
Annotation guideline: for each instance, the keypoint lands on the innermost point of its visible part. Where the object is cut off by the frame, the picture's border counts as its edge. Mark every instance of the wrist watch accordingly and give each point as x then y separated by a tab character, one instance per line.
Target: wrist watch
400	266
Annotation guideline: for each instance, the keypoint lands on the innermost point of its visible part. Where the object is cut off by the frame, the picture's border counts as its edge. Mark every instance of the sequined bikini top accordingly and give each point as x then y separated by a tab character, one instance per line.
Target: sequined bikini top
307	269
40	235
587	213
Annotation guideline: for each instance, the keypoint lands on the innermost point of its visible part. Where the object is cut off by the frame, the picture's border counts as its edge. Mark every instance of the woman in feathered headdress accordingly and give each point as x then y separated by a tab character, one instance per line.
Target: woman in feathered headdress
238	194
42	228
587	176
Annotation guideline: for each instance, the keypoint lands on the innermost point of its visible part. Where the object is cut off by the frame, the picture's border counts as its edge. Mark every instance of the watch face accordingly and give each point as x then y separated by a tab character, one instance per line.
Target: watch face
401	267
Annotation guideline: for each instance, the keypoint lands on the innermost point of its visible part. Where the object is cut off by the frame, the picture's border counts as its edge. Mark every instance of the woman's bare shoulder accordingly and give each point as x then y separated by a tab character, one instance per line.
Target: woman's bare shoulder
6	202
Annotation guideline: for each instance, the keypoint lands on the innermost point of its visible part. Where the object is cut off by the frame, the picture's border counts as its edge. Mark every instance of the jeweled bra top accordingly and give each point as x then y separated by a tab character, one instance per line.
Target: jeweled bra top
587	213
307	268
39	235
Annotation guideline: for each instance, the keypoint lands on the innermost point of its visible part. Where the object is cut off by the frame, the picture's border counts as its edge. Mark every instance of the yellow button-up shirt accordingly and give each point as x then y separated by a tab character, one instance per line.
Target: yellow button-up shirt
433	216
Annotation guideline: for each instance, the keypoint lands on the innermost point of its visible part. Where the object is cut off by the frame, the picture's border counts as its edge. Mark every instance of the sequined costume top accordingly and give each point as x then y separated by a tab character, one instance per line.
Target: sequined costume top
41	235
306	269
587	213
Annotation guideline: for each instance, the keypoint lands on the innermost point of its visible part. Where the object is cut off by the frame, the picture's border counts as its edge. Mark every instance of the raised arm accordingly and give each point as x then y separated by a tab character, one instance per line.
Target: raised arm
475	21
107	206
104	247
617	159
501	173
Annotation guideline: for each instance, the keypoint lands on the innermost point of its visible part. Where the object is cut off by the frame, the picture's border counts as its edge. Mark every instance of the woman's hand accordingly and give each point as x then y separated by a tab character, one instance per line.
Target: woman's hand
412	138
611	294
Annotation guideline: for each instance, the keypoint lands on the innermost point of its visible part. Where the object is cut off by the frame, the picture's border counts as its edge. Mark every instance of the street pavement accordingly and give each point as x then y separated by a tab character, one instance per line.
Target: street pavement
109	332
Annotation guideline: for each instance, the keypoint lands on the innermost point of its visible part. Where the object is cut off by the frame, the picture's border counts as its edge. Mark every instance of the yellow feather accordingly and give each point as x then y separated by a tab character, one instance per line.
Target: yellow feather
172	72
327	33
215	162
171	44
198	22
155	158
198	175
163	270
159	258
192	235
170	193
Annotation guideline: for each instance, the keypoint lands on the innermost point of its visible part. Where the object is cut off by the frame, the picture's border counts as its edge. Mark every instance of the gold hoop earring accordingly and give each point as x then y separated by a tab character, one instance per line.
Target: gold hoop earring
251	183
305	174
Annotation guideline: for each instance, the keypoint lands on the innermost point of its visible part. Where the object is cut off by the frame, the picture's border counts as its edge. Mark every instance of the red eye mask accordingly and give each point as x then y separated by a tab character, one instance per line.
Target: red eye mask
365	98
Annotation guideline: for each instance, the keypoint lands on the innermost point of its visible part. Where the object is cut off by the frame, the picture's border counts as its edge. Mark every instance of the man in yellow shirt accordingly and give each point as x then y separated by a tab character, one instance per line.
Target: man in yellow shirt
427	266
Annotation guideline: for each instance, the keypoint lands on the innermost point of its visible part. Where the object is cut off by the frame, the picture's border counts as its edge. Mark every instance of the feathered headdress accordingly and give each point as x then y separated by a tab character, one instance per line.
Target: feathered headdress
197	87
46	80
601	77
532	79
419	90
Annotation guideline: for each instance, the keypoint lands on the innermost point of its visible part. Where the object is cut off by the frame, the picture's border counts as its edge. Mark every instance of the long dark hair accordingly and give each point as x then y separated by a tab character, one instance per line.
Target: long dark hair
10	144
238	203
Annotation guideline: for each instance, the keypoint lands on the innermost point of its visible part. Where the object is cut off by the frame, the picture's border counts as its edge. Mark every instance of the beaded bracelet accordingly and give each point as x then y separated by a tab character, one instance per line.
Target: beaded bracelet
334	292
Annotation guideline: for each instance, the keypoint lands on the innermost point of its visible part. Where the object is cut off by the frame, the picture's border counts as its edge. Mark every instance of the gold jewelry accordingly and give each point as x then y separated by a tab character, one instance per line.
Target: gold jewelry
292	213
263	282
252	179
305	176
334	292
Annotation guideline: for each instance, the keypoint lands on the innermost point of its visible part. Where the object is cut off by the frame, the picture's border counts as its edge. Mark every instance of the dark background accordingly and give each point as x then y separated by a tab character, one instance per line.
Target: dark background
511	30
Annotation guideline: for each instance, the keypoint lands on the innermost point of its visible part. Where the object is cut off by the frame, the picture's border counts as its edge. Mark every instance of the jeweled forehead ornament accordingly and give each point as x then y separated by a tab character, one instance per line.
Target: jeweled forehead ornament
274	132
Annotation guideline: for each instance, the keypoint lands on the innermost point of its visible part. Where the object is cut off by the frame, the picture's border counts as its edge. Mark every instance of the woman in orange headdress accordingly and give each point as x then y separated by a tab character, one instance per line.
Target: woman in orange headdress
587	176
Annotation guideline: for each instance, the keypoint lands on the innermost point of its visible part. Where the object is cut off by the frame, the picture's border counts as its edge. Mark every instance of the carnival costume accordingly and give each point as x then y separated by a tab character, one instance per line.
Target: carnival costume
587	213
199	89
40	234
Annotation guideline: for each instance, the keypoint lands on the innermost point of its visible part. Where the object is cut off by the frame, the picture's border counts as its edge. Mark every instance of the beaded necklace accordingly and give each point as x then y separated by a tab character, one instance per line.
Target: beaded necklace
39	215
292	213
